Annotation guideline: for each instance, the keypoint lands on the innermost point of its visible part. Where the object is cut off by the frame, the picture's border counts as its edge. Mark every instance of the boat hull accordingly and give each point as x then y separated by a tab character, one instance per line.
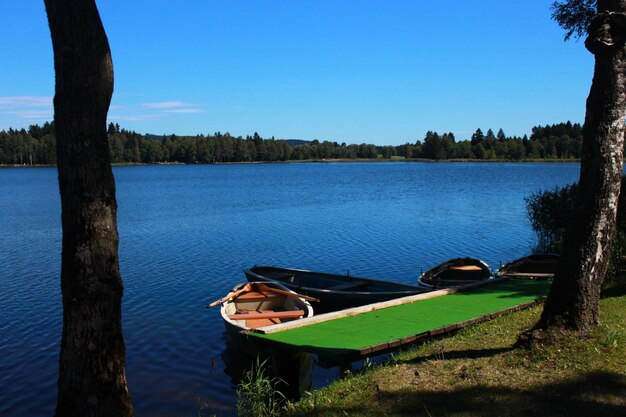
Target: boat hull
540	266
239	313
455	273
335	292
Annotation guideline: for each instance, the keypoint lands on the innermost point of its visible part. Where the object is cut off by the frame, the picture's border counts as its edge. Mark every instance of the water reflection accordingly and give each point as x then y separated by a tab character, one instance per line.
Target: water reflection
188	231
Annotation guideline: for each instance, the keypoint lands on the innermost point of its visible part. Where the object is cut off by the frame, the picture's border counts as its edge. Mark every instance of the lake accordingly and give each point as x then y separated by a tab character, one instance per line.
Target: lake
187	231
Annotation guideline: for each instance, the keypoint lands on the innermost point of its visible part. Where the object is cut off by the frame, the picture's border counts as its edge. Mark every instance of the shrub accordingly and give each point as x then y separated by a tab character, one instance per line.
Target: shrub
550	213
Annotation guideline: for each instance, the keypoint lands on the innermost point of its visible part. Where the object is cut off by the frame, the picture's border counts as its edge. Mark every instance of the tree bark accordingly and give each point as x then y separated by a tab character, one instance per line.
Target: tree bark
573	301
92	379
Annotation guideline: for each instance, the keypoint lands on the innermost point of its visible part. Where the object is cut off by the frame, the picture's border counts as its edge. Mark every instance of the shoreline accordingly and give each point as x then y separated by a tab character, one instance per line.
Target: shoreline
324	161
479	371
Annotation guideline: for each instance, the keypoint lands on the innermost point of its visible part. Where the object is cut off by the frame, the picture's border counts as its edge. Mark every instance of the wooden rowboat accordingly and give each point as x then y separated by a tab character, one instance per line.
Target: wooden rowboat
455	272
335	292
258	304
540	266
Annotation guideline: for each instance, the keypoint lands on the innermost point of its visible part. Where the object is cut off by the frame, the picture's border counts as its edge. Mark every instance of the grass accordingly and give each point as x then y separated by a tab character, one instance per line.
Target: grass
479	372
256	393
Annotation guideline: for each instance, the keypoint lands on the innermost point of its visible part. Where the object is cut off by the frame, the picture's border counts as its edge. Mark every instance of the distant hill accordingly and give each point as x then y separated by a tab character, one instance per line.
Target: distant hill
150	136
291	142
296	142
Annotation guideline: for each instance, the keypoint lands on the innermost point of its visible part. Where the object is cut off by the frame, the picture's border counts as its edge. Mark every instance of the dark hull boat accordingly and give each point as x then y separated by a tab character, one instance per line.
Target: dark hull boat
455	272
541	266
335	292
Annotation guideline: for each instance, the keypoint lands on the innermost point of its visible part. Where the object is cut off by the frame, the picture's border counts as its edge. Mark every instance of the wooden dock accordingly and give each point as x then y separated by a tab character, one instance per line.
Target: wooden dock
378	328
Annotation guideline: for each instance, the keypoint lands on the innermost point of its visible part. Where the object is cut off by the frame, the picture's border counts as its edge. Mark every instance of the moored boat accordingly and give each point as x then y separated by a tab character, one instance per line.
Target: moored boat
335	291
455	272
258	304
539	266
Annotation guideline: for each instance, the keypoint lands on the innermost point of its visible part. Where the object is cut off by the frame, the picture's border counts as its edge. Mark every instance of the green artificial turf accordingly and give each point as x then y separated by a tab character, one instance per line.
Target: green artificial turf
394	323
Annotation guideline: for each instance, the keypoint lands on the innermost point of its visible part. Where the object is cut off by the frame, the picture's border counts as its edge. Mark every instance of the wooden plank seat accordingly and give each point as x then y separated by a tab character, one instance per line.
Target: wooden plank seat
347	286
465	268
528	274
268	314
255	324
257	296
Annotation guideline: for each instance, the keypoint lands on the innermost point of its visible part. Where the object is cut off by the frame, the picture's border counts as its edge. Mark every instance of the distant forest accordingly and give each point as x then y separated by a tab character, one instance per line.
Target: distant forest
36	146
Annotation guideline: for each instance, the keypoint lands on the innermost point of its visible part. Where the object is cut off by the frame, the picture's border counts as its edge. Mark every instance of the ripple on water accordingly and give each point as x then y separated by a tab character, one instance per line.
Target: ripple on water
186	233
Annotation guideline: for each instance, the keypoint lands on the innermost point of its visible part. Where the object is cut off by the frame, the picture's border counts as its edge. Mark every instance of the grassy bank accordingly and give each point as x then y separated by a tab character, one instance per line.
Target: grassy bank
479	372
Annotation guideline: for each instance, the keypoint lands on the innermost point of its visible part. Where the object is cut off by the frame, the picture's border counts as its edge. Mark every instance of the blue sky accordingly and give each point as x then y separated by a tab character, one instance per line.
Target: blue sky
375	71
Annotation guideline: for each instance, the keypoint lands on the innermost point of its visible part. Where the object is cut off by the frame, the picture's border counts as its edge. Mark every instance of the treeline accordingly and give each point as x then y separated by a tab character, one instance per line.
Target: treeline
36	146
559	141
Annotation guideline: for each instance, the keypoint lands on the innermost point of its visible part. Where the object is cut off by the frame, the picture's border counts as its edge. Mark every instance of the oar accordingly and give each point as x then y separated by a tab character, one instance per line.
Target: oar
264	287
231	295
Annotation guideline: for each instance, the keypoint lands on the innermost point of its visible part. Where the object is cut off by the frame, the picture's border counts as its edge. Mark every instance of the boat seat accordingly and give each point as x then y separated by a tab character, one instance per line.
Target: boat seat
256	323
466	268
255	315
528	274
257	296
347	285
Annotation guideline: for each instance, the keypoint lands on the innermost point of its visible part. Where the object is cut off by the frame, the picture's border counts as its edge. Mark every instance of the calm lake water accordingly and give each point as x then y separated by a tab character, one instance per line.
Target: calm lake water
186	232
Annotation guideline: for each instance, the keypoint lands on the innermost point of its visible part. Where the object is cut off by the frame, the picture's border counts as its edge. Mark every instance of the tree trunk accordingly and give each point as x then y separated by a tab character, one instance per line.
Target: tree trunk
573	301
92	379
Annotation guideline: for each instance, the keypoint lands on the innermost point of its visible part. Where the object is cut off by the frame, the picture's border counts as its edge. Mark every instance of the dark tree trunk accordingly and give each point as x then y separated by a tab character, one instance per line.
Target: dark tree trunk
92	379
573	302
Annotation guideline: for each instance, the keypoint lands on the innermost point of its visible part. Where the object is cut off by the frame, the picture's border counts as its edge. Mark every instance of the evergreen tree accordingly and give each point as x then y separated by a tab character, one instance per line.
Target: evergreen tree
501	136
477	137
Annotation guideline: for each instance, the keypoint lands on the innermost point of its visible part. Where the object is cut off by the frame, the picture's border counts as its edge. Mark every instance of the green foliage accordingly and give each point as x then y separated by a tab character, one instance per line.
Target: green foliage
550	213
37	146
574	16
256	394
27	147
558	141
